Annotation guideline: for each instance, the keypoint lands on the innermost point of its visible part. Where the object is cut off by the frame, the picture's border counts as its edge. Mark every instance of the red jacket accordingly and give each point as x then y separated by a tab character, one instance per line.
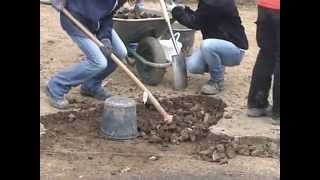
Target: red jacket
271	4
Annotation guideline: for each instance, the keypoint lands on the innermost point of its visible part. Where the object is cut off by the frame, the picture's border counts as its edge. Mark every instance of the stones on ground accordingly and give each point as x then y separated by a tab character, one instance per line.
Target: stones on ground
258	152
154	139
124	170
274	149
114	173
190	113
230	152
243	150
217	156
206	118
185	134
228	116
193	137
220	148
206	152
174	139
142	134
223	161
42	129
153	158
71	117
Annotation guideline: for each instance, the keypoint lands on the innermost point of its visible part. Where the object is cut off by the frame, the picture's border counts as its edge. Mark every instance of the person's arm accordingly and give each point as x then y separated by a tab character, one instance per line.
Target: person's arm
194	19
187	17
139	6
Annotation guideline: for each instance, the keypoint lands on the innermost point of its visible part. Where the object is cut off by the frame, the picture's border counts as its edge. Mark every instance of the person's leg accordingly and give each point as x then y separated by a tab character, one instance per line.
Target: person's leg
258	104
276	91
62	82
196	64
92	87
217	54
276	73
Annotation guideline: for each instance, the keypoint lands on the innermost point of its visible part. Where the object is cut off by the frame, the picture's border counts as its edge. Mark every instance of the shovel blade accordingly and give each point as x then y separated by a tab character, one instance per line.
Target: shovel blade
179	72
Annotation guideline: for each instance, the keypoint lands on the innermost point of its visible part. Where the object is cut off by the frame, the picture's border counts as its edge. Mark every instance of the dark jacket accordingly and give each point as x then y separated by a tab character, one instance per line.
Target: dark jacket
96	15
217	19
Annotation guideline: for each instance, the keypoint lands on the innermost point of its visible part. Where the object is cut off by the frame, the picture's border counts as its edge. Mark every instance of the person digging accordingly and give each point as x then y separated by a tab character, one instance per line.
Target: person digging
97	65
224	39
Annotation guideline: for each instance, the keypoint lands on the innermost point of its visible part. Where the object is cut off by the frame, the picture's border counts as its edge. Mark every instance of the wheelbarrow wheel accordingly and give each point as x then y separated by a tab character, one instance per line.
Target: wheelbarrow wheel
150	48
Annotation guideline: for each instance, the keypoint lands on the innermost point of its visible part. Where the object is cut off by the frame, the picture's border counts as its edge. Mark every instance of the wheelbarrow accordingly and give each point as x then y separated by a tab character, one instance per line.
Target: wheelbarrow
149	56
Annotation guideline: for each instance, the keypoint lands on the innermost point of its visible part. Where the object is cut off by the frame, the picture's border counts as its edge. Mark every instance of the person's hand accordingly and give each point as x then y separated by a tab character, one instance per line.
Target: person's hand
172	5
136	6
178	12
58	4
139	8
107	50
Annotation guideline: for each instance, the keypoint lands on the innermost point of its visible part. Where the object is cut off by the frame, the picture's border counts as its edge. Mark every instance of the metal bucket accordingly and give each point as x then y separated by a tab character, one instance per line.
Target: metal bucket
119	121
186	37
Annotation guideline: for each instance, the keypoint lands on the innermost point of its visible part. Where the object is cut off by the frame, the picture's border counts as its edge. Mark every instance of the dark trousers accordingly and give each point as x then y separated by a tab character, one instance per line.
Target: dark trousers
268	61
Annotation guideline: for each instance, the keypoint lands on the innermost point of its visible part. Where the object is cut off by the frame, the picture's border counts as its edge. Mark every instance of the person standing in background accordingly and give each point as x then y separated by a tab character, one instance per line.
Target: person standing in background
267	63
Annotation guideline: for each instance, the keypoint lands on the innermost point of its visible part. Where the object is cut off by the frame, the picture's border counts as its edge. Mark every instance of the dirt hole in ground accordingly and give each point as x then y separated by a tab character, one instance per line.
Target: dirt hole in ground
78	130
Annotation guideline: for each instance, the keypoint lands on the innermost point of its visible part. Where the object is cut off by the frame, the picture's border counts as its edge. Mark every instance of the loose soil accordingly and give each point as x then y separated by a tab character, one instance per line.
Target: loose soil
74	135
193	115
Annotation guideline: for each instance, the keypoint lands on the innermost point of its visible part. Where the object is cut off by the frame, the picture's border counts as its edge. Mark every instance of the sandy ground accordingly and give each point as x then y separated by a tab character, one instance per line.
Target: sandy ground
57	52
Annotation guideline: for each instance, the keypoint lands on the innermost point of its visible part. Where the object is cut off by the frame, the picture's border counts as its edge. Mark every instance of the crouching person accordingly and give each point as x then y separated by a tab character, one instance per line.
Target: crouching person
224	39
97	65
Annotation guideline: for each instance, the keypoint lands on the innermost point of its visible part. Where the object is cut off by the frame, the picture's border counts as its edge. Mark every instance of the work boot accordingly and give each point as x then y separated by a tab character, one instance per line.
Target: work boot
212	87
276	116
101	94
57	103
259	112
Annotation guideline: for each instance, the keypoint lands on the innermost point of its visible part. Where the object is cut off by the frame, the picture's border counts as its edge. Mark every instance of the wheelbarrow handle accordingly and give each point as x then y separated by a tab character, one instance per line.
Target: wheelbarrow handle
154	101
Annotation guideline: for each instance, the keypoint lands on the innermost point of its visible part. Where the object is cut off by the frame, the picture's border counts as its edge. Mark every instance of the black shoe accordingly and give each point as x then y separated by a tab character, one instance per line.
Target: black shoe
259	112
276	116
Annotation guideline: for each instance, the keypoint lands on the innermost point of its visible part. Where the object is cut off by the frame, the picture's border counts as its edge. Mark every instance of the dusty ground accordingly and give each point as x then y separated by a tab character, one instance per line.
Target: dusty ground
57	51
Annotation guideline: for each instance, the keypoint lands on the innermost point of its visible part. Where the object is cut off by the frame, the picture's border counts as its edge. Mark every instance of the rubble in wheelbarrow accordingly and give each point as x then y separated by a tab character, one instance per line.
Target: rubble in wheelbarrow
125	13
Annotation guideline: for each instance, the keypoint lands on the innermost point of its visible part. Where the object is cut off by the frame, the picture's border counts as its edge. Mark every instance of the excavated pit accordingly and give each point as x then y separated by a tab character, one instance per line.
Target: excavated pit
193	115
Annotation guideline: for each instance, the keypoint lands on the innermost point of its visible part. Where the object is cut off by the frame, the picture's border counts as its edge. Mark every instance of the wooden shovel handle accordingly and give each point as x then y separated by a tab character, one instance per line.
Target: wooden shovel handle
154	101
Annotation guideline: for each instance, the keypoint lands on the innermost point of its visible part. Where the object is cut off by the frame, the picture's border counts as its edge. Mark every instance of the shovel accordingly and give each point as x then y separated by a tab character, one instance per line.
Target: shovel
178	60
167	117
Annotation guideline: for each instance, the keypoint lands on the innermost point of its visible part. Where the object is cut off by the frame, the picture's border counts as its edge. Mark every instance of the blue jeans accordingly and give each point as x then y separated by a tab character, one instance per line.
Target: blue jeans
90	73
212	57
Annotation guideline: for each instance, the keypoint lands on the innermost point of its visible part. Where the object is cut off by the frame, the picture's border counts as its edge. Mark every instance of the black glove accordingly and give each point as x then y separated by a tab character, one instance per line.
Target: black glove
58	4
177	12
107	50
